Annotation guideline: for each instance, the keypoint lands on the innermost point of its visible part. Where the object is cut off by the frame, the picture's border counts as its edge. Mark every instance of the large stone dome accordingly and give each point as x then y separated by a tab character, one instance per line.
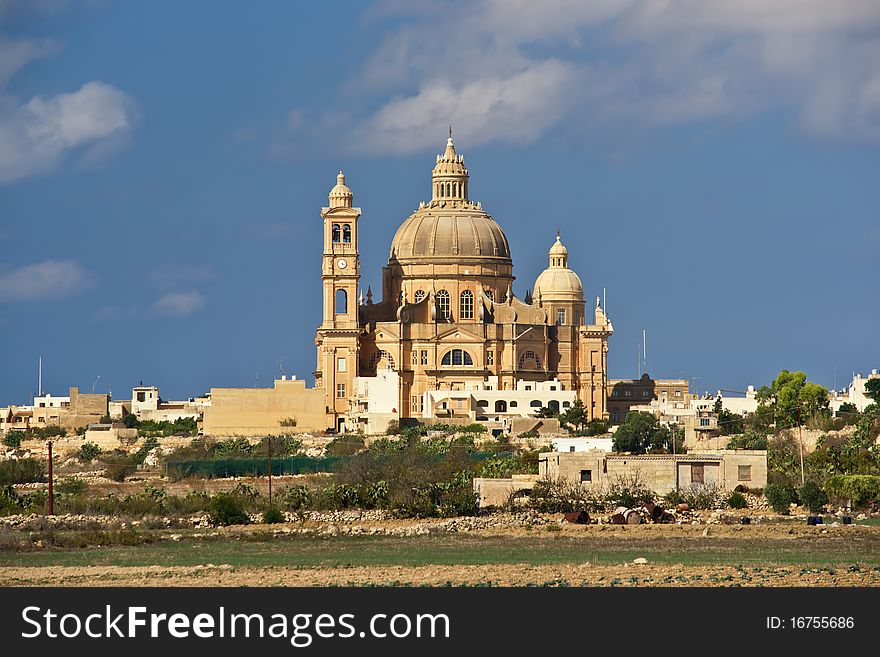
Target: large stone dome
446	233
450	226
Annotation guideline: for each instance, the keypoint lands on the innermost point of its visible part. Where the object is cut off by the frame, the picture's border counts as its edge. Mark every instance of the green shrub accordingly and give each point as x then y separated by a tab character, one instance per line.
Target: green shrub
88	452
118	466
737	500
21	471
629	491
696	496
10	502
150	444
393	428
228	509
297	498
288	422
71	486
130	421
344	446
749	440
273	515
13	438
780	496
813	497
859	490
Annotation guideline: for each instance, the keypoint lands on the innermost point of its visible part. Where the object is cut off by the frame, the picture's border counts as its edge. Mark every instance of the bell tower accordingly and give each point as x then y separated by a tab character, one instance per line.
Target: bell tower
337	338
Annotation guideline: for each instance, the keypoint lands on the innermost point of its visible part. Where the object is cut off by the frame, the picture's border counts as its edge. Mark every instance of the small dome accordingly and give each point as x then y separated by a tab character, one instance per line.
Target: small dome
558	284
340	195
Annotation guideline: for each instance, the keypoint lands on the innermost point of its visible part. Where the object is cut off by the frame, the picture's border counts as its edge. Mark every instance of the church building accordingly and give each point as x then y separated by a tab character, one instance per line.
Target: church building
448	337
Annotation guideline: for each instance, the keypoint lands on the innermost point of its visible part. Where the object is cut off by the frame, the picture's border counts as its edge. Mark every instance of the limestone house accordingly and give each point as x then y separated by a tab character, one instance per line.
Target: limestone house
725	469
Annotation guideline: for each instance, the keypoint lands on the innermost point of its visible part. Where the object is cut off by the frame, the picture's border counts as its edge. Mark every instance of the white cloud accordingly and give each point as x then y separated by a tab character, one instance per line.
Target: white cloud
36	136
179	304
516	107
50	279
15	54
511	70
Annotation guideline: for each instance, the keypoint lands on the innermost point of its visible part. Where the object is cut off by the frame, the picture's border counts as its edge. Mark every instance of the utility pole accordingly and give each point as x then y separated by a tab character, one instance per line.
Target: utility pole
51	502
269	445
800	443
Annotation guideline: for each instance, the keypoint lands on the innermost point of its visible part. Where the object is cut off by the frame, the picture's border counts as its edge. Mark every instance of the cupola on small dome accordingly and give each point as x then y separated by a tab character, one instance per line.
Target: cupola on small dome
558	282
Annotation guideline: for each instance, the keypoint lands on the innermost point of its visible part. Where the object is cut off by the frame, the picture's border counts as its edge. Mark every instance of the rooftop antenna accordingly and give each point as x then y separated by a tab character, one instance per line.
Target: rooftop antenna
645	348
40	384
281	365
604	303
94	383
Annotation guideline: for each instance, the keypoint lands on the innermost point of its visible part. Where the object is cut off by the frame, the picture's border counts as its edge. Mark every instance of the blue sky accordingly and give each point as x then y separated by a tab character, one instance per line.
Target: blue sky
713	165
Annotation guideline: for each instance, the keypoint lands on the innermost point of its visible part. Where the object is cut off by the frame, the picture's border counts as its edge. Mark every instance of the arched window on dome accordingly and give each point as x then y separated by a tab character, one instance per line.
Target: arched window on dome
443	304
419	296
466	305
457	358
346	234
529	360
336	234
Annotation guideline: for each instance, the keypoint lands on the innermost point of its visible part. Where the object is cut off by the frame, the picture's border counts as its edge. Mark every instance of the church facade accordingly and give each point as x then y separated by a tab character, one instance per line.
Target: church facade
447	319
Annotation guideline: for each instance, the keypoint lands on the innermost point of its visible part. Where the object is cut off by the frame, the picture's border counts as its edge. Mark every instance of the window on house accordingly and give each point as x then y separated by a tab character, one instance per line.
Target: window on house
678	394
42	419
552	387
466	305
560	317
704	422
627	393
457	357
586	475
697	473
415	404
340	391
566	404
141	397
535	404
340	364
443	304
424	356
646	393
419	295
571	448
490	358
744	473
513	404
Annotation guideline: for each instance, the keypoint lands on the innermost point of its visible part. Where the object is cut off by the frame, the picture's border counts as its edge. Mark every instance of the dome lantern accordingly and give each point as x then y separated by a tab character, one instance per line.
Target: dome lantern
449	180
340	195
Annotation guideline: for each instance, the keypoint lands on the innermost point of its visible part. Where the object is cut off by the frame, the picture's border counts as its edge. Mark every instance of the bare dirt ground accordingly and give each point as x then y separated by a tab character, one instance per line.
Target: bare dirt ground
438	575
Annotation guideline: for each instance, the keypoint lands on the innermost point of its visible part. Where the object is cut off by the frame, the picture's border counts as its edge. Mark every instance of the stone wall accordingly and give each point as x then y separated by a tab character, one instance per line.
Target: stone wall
497	492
